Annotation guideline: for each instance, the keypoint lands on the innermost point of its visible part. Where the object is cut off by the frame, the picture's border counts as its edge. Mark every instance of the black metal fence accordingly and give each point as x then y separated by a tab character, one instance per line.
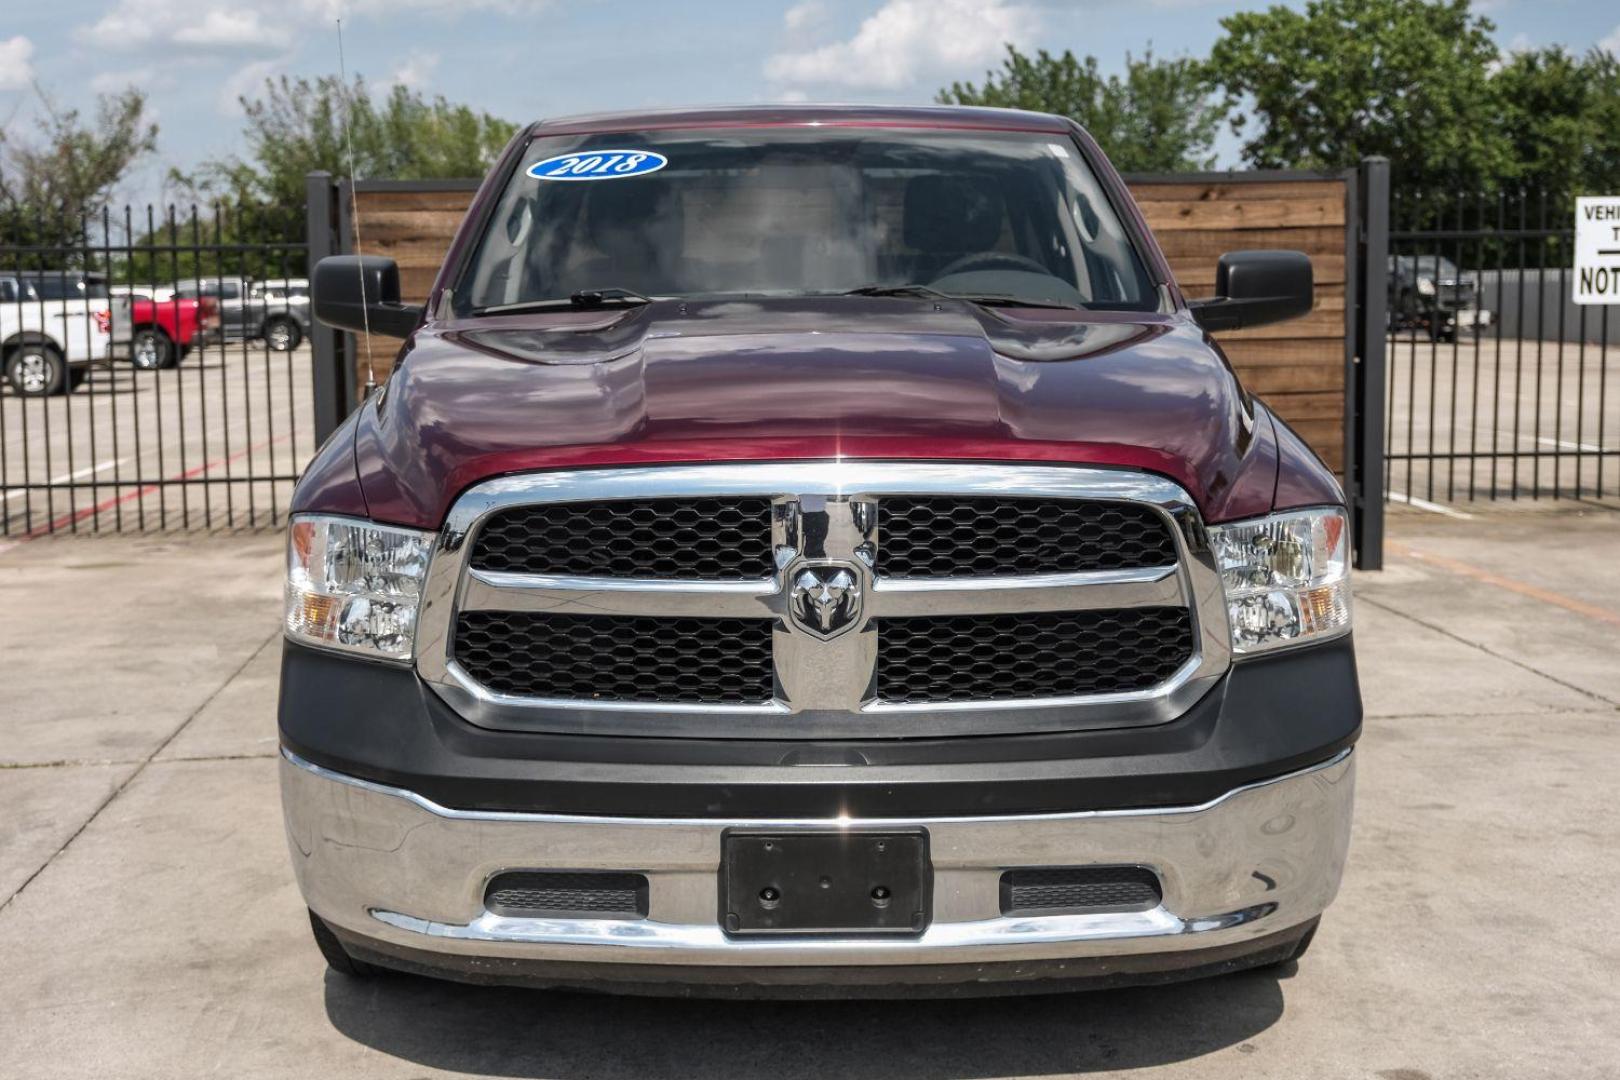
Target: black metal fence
1497	382
154	375
155	370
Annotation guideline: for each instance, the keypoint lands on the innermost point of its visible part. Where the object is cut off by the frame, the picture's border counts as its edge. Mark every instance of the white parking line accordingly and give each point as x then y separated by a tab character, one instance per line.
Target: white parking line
1424	504
1565	444
80	474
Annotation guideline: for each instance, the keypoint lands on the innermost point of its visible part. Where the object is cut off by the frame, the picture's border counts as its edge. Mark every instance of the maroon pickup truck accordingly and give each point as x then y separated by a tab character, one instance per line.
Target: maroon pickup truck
815	551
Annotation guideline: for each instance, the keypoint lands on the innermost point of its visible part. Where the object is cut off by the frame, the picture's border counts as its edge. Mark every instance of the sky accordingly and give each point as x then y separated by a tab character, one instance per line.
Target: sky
527	59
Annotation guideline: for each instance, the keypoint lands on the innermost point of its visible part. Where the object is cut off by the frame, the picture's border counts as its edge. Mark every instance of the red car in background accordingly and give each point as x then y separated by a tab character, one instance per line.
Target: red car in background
158	333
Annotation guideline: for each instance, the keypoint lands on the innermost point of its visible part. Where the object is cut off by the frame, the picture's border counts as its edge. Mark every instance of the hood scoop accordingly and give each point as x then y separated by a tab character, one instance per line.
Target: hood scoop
596	337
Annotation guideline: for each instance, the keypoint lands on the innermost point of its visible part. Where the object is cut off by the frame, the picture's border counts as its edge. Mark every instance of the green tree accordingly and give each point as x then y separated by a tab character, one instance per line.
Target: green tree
296	127
1158	118
1345	79
1561	116
53	187
1602	172
1546	120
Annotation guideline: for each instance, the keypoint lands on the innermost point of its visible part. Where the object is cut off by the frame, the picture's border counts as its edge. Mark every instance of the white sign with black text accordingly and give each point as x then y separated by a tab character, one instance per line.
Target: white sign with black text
1597	250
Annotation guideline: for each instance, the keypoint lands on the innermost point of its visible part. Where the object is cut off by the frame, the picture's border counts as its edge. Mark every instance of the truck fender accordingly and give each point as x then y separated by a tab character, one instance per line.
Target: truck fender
30	337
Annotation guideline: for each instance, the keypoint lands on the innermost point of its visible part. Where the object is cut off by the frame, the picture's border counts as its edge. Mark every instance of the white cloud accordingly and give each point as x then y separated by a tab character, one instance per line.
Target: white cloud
906	40
231	30
416	71
245	81
147	78
348	9
16	63
1612	43
192	25
214	26
805	16
1518	43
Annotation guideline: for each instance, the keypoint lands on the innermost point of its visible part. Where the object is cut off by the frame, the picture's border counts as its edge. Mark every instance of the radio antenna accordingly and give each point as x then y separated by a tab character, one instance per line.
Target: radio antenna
354	209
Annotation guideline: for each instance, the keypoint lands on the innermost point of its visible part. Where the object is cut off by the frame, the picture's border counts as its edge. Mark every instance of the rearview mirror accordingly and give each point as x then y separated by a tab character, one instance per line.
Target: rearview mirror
1253	288
361	292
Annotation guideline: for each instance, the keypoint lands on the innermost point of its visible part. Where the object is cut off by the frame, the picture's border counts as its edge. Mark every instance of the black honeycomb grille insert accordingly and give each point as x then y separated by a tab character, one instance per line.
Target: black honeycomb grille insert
695	539
971	536
935	659
543	893
1079	888
617	658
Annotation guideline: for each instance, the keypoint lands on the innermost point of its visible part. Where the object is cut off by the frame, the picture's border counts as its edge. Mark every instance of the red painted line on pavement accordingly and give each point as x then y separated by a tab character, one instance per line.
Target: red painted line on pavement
107	504
1513	585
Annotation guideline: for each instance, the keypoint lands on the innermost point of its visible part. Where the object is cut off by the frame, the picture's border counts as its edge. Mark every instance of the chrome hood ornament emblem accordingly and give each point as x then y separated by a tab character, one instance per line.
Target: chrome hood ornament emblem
825	599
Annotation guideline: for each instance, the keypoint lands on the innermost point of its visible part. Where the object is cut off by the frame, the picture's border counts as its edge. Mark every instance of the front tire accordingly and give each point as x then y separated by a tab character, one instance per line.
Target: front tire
36	370
151	349
282	335
337	958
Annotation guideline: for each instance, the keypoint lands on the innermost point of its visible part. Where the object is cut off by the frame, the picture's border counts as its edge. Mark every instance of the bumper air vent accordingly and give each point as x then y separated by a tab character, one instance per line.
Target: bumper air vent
539	894
1072	890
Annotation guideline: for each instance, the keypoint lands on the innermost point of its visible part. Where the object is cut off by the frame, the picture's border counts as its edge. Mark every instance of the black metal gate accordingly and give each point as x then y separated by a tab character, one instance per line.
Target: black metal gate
154	374
1498	382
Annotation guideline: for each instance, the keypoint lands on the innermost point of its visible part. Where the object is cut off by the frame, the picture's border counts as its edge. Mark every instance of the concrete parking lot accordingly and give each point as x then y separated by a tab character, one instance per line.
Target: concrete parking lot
1488	418
149	925
213	443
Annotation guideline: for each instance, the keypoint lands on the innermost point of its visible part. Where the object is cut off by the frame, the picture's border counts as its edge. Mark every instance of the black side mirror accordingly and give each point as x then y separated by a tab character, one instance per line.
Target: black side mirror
1253	288
354	292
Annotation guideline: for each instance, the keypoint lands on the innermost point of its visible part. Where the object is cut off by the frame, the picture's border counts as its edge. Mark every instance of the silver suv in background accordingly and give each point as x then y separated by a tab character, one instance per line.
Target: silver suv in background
282	308
276	309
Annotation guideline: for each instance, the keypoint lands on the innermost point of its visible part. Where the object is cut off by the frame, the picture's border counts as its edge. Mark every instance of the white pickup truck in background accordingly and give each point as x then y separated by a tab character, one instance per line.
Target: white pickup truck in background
53	325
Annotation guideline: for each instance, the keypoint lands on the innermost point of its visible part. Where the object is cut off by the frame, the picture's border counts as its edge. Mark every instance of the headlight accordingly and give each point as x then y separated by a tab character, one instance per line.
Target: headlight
1425	286
355	586
1287	578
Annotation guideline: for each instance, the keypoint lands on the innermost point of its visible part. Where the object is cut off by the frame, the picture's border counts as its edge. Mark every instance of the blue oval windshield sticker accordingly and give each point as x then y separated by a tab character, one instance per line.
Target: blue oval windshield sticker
598	165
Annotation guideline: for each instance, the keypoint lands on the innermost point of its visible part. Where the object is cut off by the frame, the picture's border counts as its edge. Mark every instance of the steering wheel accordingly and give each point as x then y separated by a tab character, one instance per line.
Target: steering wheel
991	260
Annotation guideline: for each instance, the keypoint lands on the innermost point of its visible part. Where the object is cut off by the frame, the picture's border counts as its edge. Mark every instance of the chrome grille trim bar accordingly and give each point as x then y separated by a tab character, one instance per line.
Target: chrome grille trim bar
487	590
822	510
1152	586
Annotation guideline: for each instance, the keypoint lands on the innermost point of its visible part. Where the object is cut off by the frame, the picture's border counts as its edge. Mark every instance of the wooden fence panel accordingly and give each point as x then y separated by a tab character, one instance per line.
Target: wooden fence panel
1297	367
413	224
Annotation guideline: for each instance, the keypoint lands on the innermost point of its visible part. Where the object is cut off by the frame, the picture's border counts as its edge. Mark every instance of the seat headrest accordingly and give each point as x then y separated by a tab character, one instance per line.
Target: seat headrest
952	214
630	217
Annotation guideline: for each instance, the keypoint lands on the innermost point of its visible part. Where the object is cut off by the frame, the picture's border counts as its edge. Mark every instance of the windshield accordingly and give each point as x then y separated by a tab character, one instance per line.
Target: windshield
1428	266
66	286
792	212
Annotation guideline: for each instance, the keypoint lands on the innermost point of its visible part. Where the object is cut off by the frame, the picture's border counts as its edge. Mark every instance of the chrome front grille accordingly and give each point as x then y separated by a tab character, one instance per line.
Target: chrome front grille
616	657
663	539
946	536
639	601
967	658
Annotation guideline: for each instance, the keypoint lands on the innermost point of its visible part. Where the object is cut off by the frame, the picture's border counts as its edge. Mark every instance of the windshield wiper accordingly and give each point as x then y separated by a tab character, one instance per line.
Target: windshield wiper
898	290
983	299
581	300
589	298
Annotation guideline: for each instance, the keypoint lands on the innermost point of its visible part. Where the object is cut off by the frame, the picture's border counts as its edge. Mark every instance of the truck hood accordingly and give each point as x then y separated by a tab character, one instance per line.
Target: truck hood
840	377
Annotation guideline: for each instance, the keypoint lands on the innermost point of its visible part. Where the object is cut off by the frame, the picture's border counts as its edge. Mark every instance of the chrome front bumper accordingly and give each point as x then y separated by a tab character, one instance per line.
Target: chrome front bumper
390	866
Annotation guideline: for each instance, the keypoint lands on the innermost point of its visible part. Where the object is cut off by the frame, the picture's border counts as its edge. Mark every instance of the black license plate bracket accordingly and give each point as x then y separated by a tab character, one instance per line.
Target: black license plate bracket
833	882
